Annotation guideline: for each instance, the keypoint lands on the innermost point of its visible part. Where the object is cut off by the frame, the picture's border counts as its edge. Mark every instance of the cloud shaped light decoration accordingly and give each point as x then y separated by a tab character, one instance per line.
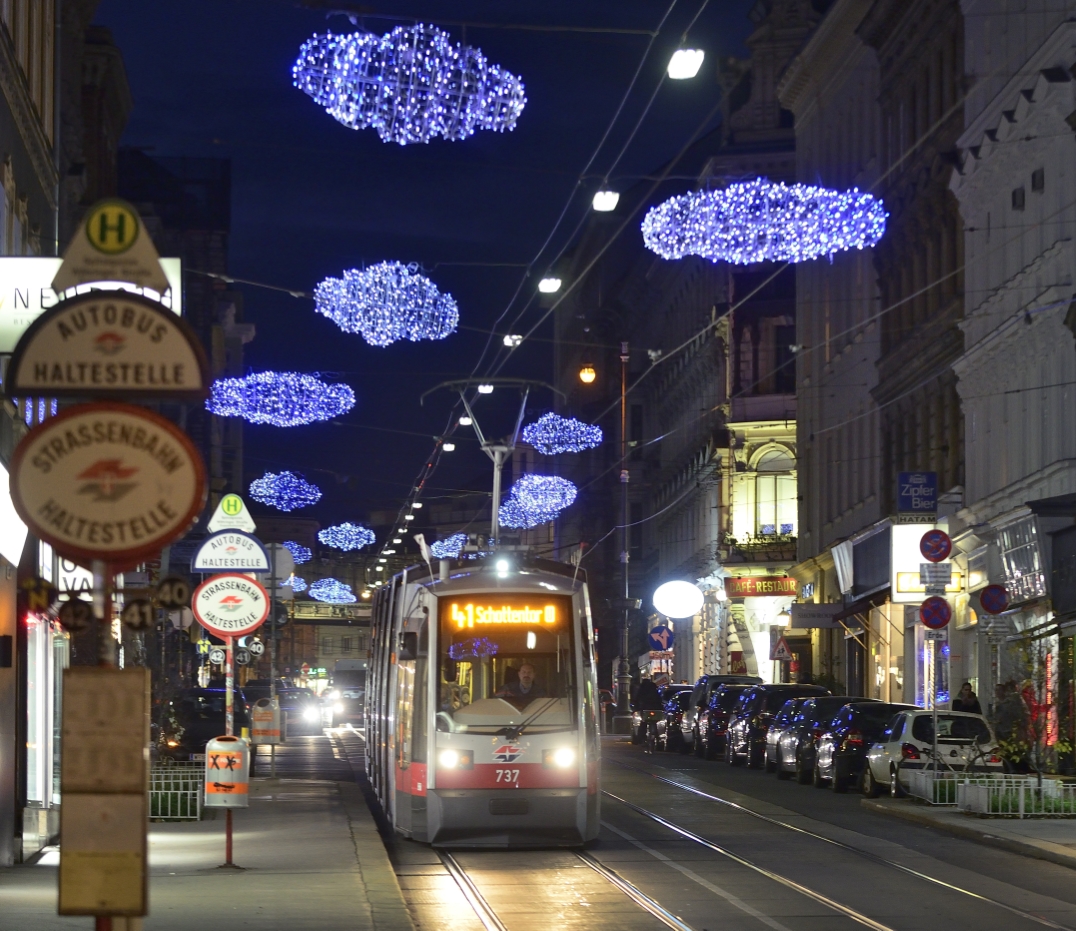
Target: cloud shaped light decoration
283	399
332	591
346	536
284	491
295	583
387	302
535	500
449	547
299	553
761	220
410	85
552	434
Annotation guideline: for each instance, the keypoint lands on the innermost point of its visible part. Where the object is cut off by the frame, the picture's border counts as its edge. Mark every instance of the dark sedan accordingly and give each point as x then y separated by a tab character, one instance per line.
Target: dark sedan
346	705
751	719
782	721
714	721
705	686
842	749
796	747
669	735
194	718
302	712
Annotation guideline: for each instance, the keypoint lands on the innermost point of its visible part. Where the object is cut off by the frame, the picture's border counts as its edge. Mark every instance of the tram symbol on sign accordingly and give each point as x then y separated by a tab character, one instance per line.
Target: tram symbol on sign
506	753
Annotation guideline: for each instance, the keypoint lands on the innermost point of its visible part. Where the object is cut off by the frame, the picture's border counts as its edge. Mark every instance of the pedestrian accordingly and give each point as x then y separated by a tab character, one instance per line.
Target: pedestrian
966	700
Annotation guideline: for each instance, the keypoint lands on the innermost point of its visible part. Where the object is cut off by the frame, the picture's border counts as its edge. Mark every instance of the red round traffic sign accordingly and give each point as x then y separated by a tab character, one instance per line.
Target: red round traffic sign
935	545
230	604
935	613
994	599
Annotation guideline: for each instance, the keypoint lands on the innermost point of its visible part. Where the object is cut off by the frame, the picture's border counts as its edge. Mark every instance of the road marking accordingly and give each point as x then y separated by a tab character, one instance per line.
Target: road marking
705	883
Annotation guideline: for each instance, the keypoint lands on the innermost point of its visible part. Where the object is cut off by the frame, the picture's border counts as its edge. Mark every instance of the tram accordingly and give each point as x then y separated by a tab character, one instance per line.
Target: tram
482	715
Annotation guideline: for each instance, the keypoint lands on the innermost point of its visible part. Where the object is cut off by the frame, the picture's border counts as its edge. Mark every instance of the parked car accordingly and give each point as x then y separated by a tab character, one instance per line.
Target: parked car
752	716
664	694
705	686
796	746
841	752
714	721
965	742
195	717
669	735
782	721
302	712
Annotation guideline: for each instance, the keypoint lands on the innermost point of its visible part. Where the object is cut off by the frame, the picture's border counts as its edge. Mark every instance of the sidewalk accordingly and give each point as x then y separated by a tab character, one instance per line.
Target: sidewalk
1052	839
311	858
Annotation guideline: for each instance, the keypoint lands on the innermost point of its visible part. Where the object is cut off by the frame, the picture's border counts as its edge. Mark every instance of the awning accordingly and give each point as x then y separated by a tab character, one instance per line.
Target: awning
863	604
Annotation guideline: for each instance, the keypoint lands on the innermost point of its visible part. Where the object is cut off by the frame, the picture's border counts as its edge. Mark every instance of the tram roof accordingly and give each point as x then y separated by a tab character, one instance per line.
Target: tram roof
523	573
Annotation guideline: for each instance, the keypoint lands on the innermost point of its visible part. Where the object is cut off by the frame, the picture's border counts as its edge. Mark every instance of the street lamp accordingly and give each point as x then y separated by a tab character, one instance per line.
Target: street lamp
678	599
685	63
605	201
587	373
549	285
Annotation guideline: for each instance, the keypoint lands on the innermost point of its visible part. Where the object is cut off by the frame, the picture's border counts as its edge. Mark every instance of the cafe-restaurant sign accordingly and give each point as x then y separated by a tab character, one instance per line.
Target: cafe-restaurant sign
109	344
750	586
108	482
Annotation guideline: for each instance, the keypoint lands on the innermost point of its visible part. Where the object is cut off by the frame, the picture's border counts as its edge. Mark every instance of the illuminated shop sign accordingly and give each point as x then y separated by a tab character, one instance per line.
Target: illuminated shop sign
754	586
908	583
469	614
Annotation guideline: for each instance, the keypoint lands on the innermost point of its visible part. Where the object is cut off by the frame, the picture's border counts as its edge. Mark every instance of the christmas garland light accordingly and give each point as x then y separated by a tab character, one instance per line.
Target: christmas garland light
410	85
332	591
535	500
449	547
346	536
552	434
283	399
299	553
284	491
760	220
295	583
387	302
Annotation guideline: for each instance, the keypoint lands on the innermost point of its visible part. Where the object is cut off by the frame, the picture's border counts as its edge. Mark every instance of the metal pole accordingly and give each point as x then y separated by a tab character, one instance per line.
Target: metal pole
102	610
623	677
498	454
934	702
229	688
228	837
272	655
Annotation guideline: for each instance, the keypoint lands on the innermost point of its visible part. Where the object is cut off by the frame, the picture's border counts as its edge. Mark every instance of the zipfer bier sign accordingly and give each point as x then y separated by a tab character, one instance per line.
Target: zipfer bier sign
107	481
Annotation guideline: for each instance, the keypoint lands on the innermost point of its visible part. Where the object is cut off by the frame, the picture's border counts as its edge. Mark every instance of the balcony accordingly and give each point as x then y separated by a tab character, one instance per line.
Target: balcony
763	407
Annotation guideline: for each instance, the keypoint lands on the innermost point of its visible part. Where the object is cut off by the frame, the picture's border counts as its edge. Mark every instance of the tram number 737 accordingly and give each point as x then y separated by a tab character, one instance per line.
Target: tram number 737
508	775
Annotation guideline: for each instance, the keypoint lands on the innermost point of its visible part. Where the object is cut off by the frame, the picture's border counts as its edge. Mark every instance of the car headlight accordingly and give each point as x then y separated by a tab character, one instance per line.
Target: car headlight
311	714
339	707
335	693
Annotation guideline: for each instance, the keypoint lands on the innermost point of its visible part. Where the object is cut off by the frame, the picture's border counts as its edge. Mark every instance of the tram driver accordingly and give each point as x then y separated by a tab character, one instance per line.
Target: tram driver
525	689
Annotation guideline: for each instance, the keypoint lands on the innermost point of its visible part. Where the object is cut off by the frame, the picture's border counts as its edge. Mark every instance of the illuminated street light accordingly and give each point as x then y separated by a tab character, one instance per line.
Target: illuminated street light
685	63
484	389
448	446
465	421
587	373
678	599
549	285
512	340
604	201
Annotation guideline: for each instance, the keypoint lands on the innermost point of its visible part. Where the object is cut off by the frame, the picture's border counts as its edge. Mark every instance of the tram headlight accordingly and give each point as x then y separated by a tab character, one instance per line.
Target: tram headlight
561	758
455	759
339	707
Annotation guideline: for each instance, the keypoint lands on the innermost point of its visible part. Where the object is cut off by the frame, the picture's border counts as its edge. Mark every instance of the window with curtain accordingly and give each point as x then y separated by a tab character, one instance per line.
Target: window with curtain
775	495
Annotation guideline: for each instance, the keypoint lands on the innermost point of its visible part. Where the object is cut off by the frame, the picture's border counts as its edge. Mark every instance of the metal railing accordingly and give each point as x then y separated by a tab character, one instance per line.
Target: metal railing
176	791
1018	797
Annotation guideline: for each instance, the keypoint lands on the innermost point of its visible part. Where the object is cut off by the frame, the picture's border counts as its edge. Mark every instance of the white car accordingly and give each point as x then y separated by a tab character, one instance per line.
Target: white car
966	743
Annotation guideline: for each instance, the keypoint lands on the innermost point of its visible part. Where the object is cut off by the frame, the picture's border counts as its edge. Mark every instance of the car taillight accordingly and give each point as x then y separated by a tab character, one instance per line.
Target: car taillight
994	757
909	752
853	741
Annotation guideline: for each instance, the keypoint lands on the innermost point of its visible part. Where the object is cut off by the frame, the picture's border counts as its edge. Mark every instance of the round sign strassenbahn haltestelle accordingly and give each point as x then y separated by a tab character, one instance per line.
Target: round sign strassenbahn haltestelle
107	481
230	604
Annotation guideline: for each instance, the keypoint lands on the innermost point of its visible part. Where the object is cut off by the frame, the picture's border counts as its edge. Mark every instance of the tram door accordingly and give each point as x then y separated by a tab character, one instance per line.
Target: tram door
410	727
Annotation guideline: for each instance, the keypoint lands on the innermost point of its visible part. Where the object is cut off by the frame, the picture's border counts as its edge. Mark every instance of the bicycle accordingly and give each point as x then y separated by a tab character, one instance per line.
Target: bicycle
649	727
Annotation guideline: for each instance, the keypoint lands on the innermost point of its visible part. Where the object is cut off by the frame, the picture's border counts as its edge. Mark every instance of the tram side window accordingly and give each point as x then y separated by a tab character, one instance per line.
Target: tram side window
506	662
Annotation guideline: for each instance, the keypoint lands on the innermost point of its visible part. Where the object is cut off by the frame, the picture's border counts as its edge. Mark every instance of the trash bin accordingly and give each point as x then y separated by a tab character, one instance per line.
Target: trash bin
227	773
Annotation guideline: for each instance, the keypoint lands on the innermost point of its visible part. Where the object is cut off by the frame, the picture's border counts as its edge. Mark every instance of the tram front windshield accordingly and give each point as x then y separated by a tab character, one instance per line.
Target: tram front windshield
505	660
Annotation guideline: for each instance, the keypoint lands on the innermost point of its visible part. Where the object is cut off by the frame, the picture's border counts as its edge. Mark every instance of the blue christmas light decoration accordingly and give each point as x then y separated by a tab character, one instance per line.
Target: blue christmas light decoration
552	434
332	591
346	536
387	302
299	553
760	220
449	547
410	85
283	399
284	491
535	500
295	583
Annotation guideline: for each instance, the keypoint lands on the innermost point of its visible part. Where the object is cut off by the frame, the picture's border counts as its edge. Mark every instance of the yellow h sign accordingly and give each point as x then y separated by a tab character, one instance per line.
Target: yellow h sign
112	227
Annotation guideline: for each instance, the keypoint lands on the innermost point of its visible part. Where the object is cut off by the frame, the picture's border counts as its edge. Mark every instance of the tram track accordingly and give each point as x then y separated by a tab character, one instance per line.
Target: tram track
492	922
864	854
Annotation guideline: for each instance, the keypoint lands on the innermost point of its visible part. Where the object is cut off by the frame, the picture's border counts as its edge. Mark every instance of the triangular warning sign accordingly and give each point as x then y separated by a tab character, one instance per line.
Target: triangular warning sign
231	514
111	244
781	652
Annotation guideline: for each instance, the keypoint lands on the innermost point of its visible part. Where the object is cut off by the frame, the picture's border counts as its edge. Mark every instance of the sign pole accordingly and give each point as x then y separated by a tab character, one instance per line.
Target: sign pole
102	609
272	654
229	687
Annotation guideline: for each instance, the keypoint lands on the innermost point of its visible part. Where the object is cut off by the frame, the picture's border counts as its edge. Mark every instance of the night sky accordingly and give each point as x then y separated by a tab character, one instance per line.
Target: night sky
311	197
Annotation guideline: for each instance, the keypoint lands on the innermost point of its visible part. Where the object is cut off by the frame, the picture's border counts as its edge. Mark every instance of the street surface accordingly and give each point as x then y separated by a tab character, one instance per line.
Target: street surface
814	860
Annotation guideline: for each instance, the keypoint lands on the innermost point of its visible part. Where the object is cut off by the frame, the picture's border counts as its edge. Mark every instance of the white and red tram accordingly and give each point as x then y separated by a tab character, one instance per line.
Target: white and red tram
482	715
